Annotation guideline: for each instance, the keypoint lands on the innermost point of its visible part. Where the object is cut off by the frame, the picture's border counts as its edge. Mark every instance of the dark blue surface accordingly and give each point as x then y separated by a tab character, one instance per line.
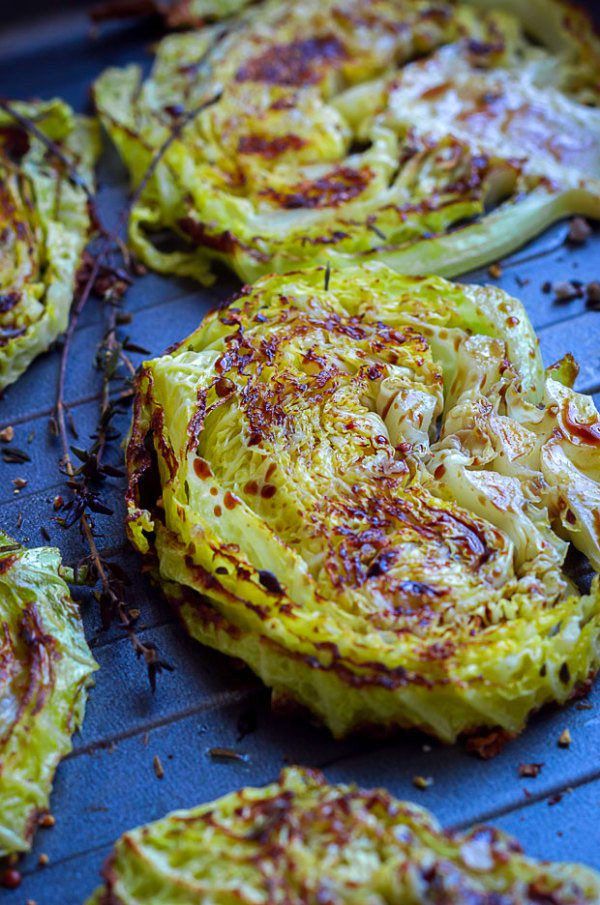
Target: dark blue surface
108	783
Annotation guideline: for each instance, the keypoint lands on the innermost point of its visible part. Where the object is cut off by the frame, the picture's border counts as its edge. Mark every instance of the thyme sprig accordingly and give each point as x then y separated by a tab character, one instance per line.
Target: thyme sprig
107	271
85	479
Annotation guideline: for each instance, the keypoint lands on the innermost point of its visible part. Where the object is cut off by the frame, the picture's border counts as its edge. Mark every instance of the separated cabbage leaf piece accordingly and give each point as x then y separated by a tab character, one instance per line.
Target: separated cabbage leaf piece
44	227
375	485
301	840
177	13
45	669
434	137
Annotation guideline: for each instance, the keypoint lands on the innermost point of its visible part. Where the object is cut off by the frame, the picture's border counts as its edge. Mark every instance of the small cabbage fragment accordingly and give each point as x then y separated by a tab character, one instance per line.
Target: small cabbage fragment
366	490
44	228
302	840
45	669
194	13
433	139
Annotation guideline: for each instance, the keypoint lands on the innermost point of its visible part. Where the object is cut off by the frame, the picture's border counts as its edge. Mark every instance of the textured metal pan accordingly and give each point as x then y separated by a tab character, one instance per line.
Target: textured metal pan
108	784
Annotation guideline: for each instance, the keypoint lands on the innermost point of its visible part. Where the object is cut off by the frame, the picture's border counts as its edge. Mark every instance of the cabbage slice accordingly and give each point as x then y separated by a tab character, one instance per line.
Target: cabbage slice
45	670
44	228
364	485
303	840
432	139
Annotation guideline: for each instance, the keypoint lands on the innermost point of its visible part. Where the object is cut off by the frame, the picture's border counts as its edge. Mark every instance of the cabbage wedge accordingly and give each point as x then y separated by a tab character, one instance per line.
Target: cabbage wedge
435	138
364	486
301	840
44	227
45	669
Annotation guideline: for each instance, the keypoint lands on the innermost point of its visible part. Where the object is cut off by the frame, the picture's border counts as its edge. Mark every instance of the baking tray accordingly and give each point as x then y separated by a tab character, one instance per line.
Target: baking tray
108	784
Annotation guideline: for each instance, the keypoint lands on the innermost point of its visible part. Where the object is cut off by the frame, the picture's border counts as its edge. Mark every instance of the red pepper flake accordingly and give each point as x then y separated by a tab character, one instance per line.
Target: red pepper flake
224	387
495	271
530	770
43	859
158	767
11	878
7	434
202	469
46	821
579	231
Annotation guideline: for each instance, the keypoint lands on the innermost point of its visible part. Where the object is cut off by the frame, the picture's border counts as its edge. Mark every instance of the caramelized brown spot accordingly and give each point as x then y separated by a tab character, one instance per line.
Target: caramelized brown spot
269	147
6	563
335	188
224	241
296	63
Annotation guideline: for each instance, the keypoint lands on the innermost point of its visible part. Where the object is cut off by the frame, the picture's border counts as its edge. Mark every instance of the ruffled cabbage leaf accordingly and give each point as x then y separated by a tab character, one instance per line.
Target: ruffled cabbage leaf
302	840
432	138
45	669
44	227
364	485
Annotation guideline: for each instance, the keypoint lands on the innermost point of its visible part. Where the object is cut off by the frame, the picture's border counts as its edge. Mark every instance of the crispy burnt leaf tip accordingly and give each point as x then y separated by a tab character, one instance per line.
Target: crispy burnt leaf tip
46	176
374	485
301	840
45	669
434	139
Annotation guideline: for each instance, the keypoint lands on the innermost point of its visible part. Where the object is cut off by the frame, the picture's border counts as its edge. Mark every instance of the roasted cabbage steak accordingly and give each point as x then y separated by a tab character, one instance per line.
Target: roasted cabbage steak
364	485
434	137
45	669
303	841
44	227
